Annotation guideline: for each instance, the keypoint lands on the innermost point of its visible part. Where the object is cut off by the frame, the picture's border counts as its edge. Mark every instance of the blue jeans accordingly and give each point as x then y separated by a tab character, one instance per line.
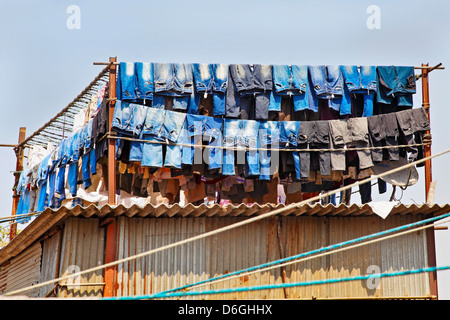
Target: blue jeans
174	153
396	83
144	79
208	129
126	82
128	118
172	125
269	137
231	130
364	81
173	79
60	182
152	154
162	125
220	82
289	139
249	139
86	170
328	83
72	178
290	80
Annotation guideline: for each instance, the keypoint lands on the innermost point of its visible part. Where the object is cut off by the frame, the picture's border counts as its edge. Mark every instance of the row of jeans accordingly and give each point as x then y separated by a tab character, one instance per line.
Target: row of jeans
167	138
251	91
45	183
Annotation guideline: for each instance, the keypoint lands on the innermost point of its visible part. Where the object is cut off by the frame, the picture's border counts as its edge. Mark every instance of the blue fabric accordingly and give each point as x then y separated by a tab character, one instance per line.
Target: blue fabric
144	80
269	137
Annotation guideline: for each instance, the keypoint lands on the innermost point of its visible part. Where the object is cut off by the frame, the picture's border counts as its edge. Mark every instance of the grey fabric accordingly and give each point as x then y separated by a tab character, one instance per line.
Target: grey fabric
351	132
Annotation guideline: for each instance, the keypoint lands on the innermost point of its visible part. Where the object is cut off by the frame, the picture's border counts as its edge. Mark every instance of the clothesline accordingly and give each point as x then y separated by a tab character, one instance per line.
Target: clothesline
438	66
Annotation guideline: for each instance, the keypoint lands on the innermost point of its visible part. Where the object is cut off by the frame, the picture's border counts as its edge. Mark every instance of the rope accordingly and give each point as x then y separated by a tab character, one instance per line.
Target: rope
284	285
111	136
288	260
229	227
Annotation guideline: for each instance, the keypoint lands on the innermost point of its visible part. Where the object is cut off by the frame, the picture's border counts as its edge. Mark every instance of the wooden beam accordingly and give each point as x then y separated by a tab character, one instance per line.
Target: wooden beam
19	168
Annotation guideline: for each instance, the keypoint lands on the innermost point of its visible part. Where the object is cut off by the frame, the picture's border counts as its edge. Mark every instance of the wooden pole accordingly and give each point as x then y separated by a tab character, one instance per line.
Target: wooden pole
112	142
19	168
110	256
111	230
431	243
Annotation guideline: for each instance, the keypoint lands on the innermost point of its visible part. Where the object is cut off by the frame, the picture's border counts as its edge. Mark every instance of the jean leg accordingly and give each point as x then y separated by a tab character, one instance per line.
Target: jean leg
152	153
218	104
301	102
72	178
42	197
365	190
305	161
181	103
60	181
93	162
136	151
158	101
215	154
297	164
368	104
274	102
85	164
51	188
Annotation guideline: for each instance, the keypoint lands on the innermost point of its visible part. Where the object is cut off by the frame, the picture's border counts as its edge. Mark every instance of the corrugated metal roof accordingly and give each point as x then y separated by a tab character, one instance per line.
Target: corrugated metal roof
245	210
51	217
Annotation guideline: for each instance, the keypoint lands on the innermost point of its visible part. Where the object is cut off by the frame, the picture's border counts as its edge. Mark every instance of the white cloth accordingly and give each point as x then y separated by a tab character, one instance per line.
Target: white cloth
382	208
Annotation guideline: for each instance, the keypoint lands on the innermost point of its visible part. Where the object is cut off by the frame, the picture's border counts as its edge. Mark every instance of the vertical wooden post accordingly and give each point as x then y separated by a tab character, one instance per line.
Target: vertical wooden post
112	142
19	167
431	243
426	106
111	230
110	256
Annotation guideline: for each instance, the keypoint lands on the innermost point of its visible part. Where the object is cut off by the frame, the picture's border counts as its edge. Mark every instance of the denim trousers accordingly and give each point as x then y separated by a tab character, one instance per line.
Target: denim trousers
269	138
240	133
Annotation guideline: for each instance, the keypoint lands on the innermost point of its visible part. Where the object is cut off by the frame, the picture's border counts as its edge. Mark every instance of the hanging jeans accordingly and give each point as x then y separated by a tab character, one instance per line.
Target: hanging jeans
396	84
126	82
248	92
289	131
314	135
362	80
328	84
383	129
269	138
292	81
212	79
152	153
240	133
144	79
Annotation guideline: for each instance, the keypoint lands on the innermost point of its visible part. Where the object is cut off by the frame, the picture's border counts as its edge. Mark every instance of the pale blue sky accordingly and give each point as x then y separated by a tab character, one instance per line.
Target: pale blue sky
44	65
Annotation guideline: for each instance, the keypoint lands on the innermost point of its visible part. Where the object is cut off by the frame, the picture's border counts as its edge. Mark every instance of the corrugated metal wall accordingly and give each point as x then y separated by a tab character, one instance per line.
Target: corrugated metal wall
82	248
22	271
257	243
50	259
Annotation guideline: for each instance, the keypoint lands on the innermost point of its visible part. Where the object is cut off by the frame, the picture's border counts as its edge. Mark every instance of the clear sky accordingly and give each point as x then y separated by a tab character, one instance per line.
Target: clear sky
44	64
